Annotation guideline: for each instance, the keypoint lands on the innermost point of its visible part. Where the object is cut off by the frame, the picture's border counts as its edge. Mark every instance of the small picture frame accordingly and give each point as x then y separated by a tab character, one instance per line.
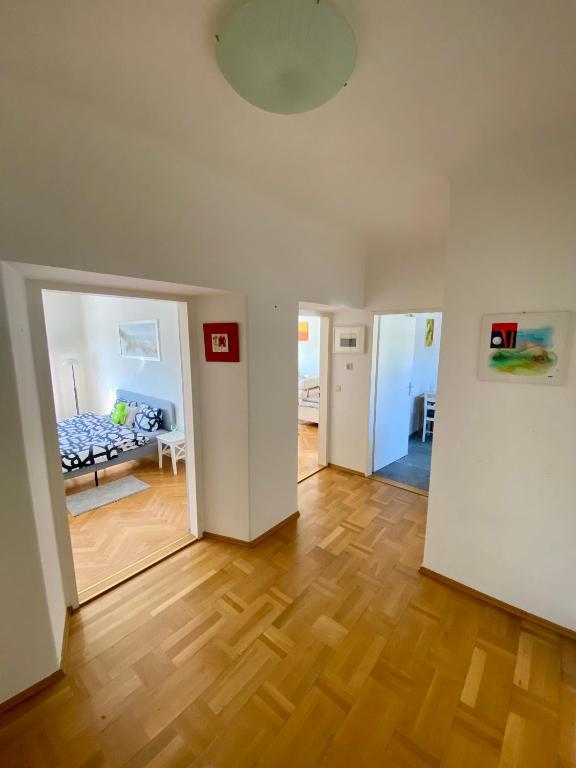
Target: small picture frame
349	339
429	332
221	342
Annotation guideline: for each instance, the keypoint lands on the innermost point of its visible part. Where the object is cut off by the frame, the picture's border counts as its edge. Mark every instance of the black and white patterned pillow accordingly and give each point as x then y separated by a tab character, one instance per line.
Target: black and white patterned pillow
148	419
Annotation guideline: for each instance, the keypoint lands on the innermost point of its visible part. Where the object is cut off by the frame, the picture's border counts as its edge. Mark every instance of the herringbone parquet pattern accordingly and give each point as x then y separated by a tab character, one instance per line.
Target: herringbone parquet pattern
307	450
323	646
110	538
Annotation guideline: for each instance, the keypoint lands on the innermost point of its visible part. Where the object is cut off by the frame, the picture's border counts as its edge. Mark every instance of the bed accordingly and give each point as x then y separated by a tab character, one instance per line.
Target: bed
90	443
309	400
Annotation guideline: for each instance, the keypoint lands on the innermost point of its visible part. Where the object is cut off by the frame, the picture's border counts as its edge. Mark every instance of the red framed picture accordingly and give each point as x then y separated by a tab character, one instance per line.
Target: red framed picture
221	342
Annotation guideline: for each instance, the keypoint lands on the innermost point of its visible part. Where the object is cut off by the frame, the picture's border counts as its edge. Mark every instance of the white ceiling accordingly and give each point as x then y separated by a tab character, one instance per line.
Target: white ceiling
437	82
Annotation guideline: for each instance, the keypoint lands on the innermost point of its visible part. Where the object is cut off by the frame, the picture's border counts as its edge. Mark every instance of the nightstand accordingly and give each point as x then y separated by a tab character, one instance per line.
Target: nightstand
171	444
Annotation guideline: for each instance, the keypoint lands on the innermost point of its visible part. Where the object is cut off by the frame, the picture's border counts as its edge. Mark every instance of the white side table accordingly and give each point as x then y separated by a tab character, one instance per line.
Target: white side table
171	444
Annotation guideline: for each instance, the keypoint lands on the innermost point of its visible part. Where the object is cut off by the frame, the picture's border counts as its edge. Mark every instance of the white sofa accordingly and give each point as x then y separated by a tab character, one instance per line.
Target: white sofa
309	400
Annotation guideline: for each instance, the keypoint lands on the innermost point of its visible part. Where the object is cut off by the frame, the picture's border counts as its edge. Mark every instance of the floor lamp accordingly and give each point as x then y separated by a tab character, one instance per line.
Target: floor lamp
71	362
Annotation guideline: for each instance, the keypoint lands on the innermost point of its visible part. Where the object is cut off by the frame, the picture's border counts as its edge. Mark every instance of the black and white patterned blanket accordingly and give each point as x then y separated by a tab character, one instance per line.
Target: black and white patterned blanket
89	439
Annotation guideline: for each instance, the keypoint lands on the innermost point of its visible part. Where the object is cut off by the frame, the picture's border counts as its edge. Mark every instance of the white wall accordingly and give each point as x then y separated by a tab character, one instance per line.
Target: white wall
406	275
32	599
350	407
223	413
425	366
65	332
309	351
110	371
502	511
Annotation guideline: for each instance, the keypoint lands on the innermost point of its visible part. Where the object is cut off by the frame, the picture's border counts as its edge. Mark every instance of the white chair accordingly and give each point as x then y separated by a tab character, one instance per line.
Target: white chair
429	414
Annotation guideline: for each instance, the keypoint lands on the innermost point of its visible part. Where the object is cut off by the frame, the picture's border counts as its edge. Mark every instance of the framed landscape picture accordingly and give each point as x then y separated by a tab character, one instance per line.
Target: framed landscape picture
349	339
139	339
524	348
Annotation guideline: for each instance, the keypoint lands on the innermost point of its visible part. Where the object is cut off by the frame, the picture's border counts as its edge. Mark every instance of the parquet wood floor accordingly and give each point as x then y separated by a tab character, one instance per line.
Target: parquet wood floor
108	539
307	450
323	646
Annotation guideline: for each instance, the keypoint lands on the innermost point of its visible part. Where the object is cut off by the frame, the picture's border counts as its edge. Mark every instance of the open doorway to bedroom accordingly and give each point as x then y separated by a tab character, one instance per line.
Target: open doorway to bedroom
117	378
312	393
406	353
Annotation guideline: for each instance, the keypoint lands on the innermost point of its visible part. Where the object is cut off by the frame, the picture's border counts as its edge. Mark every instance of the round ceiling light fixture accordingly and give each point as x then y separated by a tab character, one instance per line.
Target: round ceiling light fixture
286	56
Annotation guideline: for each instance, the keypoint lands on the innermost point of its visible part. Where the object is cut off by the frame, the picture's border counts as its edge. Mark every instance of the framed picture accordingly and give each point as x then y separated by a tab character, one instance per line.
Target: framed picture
524	348
303	330
221	342
139	339
429	332
349	339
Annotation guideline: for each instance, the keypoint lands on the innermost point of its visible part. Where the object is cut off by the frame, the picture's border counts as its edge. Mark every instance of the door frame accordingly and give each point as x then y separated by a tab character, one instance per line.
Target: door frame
44	432
374	370
325	323
324	377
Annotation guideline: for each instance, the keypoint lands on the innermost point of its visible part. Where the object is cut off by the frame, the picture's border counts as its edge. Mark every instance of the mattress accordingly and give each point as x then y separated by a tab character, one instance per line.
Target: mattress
89	439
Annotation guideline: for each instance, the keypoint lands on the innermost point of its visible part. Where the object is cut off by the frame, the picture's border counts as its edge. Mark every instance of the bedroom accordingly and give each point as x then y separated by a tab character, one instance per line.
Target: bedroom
116	371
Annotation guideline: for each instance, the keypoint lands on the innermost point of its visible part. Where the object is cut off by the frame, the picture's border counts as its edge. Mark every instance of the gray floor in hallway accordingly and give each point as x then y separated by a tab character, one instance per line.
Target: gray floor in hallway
414	468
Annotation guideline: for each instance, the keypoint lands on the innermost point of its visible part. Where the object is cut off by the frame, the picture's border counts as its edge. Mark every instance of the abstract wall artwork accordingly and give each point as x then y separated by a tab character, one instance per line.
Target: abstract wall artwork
349	339
429	332
524	348
139	339
303	330
221	342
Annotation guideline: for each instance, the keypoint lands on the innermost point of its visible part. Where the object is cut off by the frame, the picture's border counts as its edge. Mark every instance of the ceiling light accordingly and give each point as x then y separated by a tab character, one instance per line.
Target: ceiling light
286	56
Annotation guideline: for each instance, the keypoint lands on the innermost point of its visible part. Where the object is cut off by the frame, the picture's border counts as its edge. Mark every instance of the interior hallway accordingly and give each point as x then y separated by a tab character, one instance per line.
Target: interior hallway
321	646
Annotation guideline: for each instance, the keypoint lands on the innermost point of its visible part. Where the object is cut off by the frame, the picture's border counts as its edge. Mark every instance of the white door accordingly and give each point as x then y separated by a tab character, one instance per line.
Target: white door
393	401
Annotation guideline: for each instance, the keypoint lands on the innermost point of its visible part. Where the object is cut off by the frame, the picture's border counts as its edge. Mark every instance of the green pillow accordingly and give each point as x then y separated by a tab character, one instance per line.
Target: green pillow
119	413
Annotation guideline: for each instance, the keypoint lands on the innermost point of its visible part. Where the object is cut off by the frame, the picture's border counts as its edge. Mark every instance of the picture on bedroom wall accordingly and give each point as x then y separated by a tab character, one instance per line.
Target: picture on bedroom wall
429	332
139	340
349	339
524	348
303	330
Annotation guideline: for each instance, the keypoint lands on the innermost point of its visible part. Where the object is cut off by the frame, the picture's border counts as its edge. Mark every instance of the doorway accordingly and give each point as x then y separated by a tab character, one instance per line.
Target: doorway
118	389
313	331
405	373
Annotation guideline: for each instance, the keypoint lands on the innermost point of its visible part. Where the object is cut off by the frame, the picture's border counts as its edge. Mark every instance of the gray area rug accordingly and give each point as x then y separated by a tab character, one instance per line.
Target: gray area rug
104	494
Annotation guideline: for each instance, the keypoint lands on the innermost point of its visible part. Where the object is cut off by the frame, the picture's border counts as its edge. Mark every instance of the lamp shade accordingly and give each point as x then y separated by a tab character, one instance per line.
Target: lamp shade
286	56
71	361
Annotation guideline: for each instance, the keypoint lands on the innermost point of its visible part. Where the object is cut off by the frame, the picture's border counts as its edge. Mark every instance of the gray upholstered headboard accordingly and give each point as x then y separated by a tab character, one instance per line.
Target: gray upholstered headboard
167	408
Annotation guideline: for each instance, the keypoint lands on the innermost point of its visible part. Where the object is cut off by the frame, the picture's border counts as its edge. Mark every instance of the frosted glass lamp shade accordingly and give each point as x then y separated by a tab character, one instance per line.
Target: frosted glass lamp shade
286	56
71	361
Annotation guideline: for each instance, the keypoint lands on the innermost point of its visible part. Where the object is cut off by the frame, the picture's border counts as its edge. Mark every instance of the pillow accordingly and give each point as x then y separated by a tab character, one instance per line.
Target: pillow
148	419
119	413
115	404
131	416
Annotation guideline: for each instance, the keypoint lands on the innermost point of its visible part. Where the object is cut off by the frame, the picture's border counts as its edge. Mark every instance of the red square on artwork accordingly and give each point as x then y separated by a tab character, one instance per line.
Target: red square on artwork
221	342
